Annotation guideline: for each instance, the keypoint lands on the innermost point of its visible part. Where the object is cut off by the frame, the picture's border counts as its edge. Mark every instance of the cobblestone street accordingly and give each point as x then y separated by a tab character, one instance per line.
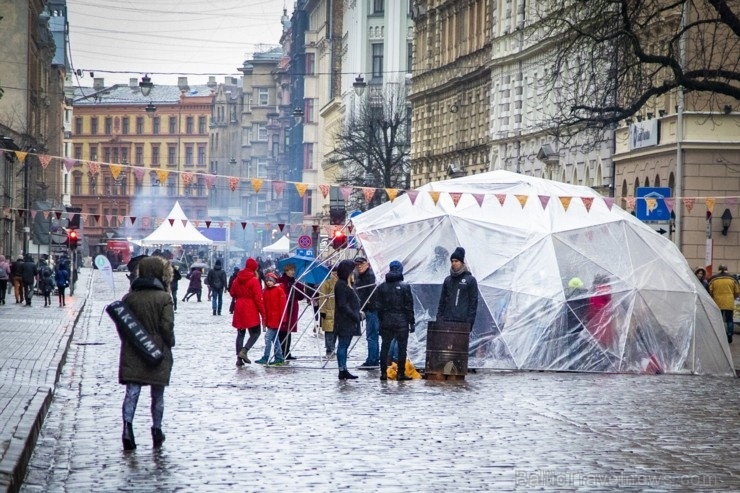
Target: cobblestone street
298	428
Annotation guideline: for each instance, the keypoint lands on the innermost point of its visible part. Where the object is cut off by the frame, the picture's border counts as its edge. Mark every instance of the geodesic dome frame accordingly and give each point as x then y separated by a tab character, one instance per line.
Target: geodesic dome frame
640	308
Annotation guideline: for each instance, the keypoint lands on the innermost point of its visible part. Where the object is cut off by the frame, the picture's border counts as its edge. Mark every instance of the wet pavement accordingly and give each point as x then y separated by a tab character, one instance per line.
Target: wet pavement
298	428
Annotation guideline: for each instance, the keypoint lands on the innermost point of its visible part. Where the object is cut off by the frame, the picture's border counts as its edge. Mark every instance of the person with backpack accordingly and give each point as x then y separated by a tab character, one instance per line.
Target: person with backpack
396	312
62	280
216	281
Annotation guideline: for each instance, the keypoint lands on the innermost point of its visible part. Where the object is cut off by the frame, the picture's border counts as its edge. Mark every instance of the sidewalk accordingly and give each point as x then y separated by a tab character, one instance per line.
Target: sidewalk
33	345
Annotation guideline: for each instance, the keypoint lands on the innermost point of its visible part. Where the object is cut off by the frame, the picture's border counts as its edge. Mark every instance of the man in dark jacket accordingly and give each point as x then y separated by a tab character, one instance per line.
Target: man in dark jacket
16	275
458	301
28	275
216	281
365	287
396	312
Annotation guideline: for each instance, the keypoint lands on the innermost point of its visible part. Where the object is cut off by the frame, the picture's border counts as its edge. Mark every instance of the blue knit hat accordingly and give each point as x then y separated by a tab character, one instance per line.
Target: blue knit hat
396	266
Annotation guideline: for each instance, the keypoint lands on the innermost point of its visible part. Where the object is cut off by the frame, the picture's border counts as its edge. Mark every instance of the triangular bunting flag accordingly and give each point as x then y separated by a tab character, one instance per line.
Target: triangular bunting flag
58	214
501	198
392	193
544	199
184	222
434	195
689	203
21	155
109	219
315	228
133	220
609	201
412	195
68	163
33	213
171	221
630	203
20	212
368	193
670	203
256	184
162	175
455	196
522	199
115	170
139	173
210	180
281	226
479	198
345	191
301	187
324	189
45	214
93	167
710	201
244	224
187	178
97	218
277	187
565	201
233	183
587	201
196	223
208	223
45	160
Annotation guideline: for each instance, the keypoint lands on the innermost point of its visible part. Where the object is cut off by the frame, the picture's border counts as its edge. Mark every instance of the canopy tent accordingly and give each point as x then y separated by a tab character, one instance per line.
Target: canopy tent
176	230
280	246
566	280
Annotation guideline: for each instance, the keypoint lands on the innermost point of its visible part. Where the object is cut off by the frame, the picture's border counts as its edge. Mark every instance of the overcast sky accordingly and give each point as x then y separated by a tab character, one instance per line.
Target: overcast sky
122	39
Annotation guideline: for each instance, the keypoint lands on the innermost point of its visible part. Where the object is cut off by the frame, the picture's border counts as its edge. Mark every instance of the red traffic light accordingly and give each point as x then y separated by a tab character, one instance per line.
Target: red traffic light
72	239
73	235
339	240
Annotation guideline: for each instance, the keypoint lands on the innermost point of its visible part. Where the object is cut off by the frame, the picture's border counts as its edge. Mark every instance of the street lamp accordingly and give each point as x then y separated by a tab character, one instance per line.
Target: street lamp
150	109
146	85
726	221
359	85
298	115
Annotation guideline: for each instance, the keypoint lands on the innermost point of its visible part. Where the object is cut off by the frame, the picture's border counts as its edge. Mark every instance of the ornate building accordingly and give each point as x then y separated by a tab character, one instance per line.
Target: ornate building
133	163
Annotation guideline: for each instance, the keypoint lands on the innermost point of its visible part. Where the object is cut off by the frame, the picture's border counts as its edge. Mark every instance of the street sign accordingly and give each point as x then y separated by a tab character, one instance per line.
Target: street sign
650	205
305	241
661	227
304	252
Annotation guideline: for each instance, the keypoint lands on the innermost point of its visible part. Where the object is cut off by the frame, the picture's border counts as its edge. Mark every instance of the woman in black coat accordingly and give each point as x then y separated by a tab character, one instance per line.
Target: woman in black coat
347	315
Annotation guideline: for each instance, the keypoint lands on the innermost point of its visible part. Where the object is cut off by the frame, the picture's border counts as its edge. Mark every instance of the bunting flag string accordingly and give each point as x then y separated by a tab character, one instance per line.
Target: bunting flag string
44	159
256	185
324	188
115	170
233	183
392	193
301	188
455	196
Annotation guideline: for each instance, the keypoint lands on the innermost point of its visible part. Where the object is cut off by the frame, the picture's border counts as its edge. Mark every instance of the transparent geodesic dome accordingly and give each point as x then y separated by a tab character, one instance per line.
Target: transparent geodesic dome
567	281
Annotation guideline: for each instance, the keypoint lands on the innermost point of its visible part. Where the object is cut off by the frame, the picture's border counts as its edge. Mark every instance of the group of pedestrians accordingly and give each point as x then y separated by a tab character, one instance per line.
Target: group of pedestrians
26	276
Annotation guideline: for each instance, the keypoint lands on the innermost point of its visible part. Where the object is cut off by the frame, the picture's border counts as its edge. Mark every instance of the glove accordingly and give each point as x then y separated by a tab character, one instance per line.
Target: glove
362	316
412	328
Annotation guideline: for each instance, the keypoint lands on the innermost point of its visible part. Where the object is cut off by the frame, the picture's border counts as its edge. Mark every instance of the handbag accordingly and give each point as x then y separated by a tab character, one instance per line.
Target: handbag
130	328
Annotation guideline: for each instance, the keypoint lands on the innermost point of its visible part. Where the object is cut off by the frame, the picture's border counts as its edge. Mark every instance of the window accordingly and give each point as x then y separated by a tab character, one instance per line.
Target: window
155	154
78	151
173	124
78	126
94	125
93	152
189	121
108	125
171	186
378	6
106	154
308	115
307	156
139	125
171	155
93	185
263	96
201	155
115	155
410	58
377	60
106	186
261	132
124	125
139	154
188	154
124	155
202	124
156	122
77	184
310	63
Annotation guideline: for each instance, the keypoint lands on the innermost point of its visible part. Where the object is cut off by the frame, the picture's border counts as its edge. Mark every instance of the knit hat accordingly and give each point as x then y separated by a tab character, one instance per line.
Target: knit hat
396	266
575	283
458	254
218	263
270	276
722	268
251	264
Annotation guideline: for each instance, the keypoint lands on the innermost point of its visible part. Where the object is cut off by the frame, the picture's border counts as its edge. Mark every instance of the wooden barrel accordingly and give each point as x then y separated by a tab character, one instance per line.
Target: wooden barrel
447	350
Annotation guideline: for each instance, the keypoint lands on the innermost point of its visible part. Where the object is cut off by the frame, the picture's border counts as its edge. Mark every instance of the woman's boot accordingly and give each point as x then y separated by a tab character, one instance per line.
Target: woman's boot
157	437
345	375
128	436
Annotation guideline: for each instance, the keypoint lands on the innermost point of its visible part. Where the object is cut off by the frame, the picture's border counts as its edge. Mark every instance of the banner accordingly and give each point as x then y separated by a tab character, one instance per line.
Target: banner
106	269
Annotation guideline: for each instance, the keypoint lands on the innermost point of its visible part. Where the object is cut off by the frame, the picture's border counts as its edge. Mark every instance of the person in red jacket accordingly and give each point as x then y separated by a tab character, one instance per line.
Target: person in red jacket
295	293
275	301
248	310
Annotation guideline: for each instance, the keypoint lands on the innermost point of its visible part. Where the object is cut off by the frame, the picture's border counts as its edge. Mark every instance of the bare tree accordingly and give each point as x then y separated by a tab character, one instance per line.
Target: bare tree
373	145
611	58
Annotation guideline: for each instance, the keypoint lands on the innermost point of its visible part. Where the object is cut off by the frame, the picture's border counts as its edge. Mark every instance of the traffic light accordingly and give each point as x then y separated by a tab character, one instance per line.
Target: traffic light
73	238
339	240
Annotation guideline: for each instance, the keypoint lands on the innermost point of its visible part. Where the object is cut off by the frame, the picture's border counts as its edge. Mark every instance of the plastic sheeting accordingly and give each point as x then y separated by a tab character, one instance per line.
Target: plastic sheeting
530	243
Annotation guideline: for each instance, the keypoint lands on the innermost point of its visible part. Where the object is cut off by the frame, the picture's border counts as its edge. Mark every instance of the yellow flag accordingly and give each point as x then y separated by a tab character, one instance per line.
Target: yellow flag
115	170
435	196
301	187
392	193
162	174
256	184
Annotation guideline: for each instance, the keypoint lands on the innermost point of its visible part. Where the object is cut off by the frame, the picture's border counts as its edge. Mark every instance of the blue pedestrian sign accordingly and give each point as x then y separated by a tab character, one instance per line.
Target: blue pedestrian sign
650	204
304	252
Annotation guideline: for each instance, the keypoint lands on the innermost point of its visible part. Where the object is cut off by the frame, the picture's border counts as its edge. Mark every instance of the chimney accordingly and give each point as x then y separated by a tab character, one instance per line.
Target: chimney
133	83
98	83
212	81
182	83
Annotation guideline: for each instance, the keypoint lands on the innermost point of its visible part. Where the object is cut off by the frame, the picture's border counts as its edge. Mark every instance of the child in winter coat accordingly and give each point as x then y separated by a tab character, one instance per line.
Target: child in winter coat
275	301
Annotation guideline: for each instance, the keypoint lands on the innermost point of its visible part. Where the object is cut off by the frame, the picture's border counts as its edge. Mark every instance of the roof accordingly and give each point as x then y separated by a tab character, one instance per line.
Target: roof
176	230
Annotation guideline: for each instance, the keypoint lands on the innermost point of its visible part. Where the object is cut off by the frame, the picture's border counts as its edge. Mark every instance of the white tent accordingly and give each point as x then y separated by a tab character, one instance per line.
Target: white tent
529	242
280	246
176	230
